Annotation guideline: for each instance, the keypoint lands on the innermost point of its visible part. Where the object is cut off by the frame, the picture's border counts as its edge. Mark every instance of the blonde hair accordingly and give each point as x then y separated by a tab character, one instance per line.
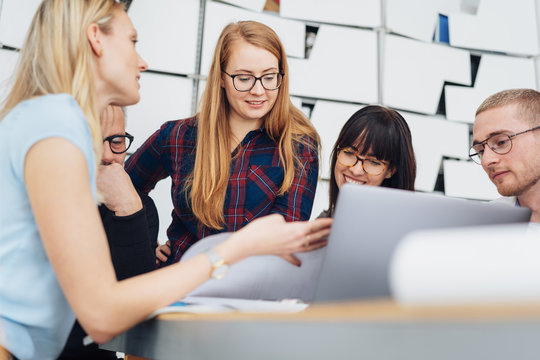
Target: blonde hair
57	57
528	99
284	124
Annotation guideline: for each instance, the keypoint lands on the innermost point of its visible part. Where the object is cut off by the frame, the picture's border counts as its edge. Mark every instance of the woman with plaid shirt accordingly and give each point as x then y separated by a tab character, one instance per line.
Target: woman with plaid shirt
248	152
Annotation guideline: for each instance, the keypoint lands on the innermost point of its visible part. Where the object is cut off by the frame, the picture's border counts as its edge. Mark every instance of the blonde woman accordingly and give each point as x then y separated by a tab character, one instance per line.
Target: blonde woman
78	58
247	153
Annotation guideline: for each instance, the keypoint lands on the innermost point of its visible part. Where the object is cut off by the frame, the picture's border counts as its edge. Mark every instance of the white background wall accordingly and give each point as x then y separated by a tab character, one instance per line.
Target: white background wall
364	52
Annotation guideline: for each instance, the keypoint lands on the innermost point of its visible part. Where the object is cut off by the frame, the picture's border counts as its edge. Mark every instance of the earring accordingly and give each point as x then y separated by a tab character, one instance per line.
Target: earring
100	54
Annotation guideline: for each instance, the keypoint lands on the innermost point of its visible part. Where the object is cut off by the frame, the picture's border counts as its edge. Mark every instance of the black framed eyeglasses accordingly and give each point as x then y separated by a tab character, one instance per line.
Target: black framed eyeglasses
246	82
119	144
499	143
348	157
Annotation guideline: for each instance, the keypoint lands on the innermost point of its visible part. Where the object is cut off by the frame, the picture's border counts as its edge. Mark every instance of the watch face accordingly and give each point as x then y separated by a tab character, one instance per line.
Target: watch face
220	271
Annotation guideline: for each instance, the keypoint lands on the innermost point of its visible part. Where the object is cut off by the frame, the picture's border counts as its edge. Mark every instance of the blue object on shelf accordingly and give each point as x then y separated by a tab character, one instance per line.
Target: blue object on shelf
444	35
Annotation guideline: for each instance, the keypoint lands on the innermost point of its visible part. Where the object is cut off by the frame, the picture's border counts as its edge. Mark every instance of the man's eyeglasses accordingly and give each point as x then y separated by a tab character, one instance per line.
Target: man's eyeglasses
119	144
500	144
348	157
246	82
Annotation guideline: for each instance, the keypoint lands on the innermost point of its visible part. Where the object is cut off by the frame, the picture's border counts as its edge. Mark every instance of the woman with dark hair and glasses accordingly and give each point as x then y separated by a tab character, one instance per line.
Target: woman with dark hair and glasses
247	153
373	148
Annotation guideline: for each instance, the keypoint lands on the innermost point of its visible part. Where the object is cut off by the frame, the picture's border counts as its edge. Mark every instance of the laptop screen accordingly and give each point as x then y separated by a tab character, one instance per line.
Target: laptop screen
370	221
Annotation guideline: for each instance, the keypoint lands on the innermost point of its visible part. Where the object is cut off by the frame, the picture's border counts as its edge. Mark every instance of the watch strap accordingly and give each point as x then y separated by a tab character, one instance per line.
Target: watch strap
219	268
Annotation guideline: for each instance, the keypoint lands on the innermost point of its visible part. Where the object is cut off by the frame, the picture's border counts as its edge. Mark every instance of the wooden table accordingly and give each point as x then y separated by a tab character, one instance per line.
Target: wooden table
356	330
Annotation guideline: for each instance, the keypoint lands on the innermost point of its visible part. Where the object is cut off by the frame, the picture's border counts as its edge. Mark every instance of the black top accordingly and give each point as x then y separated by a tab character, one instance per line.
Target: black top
132	241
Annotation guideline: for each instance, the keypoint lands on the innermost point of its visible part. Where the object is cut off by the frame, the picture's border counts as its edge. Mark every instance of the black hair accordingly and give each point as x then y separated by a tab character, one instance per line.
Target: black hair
385	135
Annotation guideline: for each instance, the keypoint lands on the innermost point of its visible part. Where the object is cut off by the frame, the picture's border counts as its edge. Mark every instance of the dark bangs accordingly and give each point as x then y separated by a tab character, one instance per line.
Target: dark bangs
375	131
383	133
376	140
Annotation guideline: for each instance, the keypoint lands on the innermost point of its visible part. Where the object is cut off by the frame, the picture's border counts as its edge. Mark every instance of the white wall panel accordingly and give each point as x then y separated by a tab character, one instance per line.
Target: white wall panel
414	73
292	33
8	61
162	198
495	73
538	73
467	179
167	32
366	13
328	118
538	25
538	57
296	101
254	5
434	138
15	20
342	66
417	18
163	98
499	25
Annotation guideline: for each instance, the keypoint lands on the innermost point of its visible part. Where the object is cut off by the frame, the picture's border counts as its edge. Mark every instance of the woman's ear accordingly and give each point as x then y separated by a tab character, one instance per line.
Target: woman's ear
221	81
389	173
94	39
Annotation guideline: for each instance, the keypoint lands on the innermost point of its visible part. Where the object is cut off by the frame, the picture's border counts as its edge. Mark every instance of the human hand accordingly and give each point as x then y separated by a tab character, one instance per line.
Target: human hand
316	238
117	190
163	252
271	235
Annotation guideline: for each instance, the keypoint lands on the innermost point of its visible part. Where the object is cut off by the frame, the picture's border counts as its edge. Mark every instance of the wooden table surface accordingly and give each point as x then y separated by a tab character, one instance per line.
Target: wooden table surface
377	329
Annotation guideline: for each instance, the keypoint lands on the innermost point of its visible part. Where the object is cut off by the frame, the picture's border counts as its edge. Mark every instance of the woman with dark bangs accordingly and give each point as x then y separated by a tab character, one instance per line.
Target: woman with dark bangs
373	148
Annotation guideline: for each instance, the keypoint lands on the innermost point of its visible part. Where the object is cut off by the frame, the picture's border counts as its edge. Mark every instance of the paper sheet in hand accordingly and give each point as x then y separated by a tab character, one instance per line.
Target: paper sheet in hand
261	277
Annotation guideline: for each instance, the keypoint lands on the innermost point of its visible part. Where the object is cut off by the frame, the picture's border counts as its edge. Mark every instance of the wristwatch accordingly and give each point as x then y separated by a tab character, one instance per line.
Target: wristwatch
219	268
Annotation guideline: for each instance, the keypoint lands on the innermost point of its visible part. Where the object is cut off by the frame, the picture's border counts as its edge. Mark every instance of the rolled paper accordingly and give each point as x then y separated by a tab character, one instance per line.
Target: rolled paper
468	265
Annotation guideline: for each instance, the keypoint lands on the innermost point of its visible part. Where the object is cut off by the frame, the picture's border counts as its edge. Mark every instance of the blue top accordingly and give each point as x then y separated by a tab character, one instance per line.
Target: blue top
35	318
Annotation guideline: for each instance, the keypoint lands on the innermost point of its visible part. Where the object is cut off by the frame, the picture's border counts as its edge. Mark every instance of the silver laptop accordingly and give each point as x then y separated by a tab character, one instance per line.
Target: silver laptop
370	221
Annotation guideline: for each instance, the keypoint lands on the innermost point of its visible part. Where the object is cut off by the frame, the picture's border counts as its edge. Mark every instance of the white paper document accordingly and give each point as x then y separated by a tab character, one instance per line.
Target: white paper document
192	308
248	305
215	305
261	277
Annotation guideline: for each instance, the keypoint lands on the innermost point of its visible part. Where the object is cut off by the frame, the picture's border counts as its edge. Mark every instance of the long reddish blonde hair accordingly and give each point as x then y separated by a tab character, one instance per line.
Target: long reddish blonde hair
284	124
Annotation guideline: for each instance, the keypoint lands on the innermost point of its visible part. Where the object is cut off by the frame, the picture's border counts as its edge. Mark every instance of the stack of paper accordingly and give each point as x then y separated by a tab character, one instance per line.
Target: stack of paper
213	305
